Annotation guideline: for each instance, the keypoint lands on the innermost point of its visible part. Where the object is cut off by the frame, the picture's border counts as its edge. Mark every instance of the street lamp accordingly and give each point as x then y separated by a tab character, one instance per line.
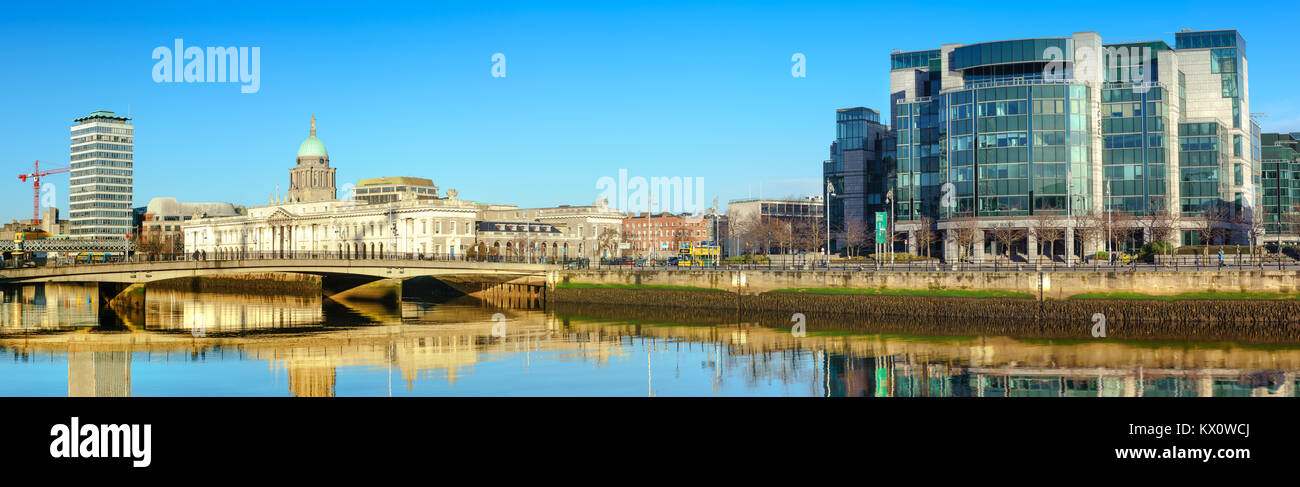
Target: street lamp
826	214
889	205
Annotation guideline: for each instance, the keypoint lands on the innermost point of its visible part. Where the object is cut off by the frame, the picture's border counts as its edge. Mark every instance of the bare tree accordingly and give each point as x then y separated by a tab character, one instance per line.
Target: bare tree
963	233
1215	223
1047	229
1008	236
1121	227
925	234
1160	225
809	235
1088	227
1252	224
855	236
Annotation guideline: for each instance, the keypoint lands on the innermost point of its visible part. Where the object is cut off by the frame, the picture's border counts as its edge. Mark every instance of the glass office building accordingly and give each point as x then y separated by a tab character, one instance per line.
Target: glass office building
859	168
1280	163
1006	132
102	177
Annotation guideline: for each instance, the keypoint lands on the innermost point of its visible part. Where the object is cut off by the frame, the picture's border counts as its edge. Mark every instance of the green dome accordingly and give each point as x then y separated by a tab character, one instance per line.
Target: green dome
312	147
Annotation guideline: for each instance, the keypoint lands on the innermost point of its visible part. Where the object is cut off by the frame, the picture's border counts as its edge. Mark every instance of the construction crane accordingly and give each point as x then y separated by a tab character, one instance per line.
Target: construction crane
35	176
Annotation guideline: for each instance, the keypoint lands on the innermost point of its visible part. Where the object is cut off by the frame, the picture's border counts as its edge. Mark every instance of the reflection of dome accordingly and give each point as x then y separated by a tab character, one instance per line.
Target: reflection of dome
312	147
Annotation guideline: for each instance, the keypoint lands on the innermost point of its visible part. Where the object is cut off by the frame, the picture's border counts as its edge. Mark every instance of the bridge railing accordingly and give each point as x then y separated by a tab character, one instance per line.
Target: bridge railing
60	261
1164	263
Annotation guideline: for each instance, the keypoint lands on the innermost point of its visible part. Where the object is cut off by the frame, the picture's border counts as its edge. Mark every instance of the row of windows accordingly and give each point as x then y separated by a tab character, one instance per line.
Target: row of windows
105	180
1124	188
1129	141
99	188
1017	51
1198	158
101	163
1122	125
1188	144
1129	94
1194	129
83	196
100	146
99	205
103	138
1132	156
101	155
1009	139
1156	171
103	130
94	213
1200	174
92	171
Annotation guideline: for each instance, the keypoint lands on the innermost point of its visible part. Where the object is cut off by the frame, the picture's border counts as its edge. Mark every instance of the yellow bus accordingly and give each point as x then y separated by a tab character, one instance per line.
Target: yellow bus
93	257
703	254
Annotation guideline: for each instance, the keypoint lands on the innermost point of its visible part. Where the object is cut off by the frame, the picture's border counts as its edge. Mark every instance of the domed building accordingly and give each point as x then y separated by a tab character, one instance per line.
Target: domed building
312	179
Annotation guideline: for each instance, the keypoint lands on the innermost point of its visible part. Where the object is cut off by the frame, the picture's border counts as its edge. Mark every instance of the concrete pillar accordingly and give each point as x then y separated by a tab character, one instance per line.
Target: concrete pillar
911	242
978	251
949	247
1031	247
1069	245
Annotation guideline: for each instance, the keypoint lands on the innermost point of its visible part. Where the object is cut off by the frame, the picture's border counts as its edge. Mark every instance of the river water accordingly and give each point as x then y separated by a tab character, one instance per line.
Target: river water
58	340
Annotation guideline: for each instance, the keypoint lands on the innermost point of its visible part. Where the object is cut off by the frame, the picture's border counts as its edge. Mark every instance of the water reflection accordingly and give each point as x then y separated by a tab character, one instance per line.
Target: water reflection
312	346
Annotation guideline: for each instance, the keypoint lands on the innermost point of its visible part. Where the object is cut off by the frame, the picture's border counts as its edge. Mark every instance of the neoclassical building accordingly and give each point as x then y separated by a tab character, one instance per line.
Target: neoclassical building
310	220
396	215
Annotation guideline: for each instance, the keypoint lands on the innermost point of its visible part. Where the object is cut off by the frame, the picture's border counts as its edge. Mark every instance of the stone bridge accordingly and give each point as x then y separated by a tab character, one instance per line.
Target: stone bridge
347	278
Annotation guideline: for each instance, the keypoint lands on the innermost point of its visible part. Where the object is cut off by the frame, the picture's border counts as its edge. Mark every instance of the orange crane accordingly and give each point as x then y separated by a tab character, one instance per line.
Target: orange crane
36	175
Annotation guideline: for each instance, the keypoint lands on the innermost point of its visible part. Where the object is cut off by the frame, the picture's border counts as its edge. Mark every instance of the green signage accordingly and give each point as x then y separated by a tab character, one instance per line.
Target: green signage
881	230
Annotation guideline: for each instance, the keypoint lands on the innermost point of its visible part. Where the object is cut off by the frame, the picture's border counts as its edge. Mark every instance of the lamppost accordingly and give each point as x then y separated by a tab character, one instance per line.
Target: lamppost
1106	201
826	215
889	205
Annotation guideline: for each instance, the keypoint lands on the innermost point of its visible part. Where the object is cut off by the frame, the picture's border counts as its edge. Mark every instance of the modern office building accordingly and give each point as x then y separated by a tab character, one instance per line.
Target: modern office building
1005	133
860	168
1280	182
102	179
801	215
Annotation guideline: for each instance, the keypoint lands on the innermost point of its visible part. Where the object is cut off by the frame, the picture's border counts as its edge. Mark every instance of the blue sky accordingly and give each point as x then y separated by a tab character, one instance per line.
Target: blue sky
661	89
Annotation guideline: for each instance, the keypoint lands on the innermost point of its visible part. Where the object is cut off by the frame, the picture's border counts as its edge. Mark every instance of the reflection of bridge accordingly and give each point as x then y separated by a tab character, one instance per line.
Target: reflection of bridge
121	285
143	272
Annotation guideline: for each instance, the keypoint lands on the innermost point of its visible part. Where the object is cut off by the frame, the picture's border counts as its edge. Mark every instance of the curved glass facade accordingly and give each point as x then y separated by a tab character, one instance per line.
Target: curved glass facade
1005	52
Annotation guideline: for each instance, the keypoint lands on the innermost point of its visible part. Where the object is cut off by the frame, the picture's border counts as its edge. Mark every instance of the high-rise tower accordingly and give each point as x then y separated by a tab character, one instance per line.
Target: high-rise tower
102	176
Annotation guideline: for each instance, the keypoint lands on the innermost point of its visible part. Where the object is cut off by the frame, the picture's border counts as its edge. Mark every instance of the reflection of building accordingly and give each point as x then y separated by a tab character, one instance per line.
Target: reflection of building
99	374
50	306
225	313
102	178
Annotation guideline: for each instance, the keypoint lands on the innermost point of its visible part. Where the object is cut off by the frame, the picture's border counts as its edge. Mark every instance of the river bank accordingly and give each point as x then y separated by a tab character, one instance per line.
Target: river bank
1276	318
